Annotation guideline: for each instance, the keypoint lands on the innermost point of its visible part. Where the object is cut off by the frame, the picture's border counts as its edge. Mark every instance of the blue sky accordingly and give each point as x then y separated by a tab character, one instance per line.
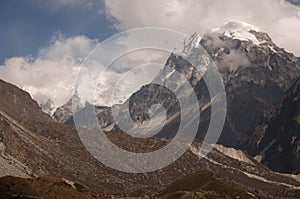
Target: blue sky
28	25
296	2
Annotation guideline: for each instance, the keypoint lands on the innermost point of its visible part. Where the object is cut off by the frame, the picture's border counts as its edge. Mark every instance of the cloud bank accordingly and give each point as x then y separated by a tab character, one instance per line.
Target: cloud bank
49	75
277	17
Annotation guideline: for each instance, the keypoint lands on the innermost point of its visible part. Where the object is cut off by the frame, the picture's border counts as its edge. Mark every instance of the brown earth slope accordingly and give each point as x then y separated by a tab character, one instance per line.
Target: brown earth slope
40	146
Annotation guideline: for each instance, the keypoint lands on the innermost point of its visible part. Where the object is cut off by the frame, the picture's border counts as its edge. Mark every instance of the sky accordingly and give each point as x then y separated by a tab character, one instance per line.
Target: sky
28	25
44	42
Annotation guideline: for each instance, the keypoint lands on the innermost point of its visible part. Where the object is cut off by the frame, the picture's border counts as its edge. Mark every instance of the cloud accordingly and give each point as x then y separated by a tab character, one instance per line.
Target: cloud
277	17
235	60
67	48
49	75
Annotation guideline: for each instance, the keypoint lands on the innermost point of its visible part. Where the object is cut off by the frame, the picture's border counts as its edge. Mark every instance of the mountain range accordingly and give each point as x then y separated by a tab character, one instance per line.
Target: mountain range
257	75
260	138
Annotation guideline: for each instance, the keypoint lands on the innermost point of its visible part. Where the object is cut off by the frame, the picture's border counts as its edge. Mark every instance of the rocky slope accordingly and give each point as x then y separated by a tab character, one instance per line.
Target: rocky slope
43	187
19	105
44	147
64	113
203	184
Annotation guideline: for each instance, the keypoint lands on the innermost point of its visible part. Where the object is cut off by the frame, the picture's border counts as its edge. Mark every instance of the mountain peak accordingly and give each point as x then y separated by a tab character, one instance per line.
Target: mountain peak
239	25
239	30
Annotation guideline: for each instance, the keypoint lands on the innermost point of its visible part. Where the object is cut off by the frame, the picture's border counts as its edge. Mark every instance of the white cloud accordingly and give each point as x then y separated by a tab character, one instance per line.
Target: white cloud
51	74
236	59
276	17
67	48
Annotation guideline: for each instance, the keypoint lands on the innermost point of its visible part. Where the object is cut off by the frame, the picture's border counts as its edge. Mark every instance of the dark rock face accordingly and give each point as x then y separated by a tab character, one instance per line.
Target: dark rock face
65	112
152	94
252	90
276	141
253	84
104	116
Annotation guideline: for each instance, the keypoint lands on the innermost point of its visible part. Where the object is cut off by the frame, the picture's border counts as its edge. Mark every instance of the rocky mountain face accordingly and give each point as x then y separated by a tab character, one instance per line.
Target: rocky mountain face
276	141
255	78
256	74
42	147
19	105
63	113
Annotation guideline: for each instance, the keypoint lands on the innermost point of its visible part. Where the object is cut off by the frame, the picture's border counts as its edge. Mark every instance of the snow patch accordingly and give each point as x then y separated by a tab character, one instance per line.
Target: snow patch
189	44
297	119
272	49
227	151
295	177
196	41
196	151
69	182
258	158
253	176
239	30
234	154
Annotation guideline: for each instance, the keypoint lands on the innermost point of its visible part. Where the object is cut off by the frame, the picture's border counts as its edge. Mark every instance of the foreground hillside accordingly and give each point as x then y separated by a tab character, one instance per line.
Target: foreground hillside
43	147
44	187
199	185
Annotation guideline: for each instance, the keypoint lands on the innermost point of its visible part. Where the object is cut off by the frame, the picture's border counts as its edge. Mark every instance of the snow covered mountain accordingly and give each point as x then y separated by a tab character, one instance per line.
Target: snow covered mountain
255	71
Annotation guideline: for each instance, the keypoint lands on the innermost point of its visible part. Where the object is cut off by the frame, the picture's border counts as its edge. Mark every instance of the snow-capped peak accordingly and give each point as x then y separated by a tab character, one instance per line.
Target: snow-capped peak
195	40
188	44
239	30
